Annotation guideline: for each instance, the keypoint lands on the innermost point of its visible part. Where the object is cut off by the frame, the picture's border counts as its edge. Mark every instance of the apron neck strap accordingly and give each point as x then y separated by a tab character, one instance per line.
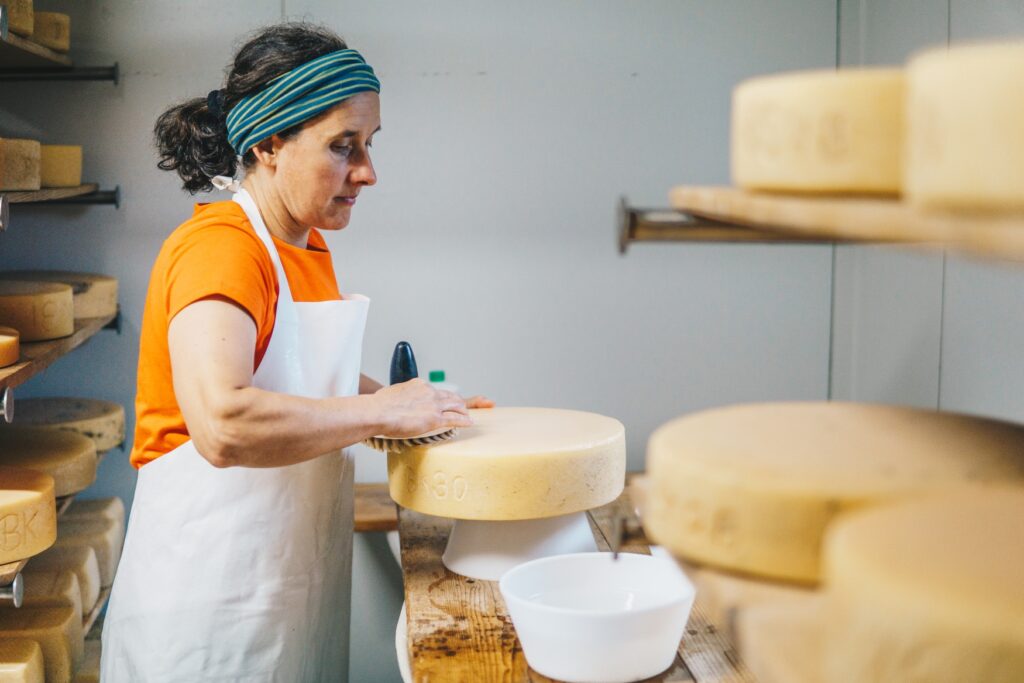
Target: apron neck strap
248	204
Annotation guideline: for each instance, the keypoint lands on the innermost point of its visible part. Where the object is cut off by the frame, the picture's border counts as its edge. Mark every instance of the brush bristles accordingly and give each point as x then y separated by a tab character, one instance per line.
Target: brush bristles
386	445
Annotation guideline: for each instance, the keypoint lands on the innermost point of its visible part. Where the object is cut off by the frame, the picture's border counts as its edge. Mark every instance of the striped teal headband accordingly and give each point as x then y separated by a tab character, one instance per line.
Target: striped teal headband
297	96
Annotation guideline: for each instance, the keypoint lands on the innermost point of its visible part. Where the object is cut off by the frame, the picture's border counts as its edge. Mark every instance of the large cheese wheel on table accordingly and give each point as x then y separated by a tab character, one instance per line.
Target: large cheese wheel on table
38	310
514	464
21	661
58	630
28	513
80	559
94	294
100	421
928	590
753	488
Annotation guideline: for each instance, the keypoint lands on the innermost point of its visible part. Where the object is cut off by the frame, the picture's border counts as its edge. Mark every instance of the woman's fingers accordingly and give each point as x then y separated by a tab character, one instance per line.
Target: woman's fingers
454	419
479	402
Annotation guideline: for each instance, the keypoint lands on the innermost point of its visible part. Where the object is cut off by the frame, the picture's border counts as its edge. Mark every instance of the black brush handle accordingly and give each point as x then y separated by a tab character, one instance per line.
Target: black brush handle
403	363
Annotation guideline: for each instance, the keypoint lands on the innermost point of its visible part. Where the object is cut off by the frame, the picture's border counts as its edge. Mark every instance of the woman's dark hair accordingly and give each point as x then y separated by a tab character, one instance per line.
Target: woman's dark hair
191	137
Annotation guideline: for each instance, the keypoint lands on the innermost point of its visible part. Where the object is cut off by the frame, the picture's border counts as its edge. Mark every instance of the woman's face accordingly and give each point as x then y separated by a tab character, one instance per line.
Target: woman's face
320	172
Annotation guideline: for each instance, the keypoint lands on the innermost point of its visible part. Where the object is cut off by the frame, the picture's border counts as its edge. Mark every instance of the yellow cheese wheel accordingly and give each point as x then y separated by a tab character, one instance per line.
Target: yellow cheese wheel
52	30
101	421
99	508
928	590
965	142
20	164
782	643
753	488
69	458
21	661
820	132
61	166
81	560
20	16
94	295
58	630
51	589
102	535
89	672
28	513
514	463
10	346
38	310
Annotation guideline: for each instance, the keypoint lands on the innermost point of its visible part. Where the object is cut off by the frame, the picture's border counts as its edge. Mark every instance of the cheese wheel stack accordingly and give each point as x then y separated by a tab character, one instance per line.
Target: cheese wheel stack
10	346
52	30
101	421
20	164
99	508
38	310
21	661
52	588
67	457
57	630
93	295
79	559
61	166
28	513
20	16
104	536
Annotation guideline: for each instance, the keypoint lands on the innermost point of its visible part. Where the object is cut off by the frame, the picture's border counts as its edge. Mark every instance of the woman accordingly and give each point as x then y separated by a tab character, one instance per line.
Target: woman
236	565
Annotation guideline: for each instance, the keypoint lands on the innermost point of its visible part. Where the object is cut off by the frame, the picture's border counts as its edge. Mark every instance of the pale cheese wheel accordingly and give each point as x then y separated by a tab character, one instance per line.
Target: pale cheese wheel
20	164
38	310
20	16
10	346
28	513
21	661
81	560
753	488
928	590
51	589
104	536
58	630
965	142
99	508
61	166
69	458
819	132
94	294
52	30
100	421
89	672
782	643
512	464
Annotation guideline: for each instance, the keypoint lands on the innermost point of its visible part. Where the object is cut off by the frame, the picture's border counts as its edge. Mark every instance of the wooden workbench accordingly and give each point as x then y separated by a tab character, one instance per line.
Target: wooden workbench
459	630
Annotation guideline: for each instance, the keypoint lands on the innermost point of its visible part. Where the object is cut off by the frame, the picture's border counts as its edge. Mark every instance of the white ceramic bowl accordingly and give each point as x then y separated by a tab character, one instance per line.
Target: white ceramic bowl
587	618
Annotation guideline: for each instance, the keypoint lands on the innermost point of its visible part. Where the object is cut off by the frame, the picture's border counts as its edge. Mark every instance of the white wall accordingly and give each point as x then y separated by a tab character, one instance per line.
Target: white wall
510	130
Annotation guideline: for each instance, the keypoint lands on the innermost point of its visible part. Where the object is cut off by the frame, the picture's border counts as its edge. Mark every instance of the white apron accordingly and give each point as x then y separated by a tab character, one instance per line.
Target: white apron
244	574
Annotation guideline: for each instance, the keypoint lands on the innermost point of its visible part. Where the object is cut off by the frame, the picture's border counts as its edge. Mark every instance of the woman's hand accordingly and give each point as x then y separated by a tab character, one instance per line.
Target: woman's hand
478	402
414	407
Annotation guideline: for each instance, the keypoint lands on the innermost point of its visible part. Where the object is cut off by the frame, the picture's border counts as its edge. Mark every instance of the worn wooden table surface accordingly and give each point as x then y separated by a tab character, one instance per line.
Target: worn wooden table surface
374	509
460	631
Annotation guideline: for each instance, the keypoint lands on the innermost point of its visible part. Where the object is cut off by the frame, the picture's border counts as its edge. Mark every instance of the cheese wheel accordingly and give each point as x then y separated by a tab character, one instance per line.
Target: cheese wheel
51	589
52	30
965	143
58	631
61	166
753	488
20	16
69	458
102	535
94	295
20	164
81	560
514	463
89	672
28	513
928	590
100	421
10	346
100	508
38	310
782	643
819	132
21	661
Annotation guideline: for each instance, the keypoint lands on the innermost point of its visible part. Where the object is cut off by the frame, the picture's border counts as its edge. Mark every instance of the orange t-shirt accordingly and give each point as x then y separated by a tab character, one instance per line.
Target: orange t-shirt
216	253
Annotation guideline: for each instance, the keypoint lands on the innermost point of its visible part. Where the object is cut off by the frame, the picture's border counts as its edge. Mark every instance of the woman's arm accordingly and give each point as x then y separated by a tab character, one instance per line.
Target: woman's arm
233	423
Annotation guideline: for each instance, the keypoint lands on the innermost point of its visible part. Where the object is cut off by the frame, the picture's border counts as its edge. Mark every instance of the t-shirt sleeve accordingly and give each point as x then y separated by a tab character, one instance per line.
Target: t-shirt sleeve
221	261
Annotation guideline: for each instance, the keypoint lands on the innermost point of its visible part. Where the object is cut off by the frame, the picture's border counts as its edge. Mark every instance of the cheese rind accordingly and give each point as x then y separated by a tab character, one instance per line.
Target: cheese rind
52	30
51	589
819	132
928	590
514	463
20	164
38	310
20	16
28	513
58	630
99	508
782	643
67	457
21	661
61	166
102	535
94	295
81	560
10	346
753	488
101	421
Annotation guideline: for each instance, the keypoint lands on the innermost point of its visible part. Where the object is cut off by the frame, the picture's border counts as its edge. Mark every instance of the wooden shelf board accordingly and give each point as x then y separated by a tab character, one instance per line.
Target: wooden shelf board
17	52
374	509
50	193
36	356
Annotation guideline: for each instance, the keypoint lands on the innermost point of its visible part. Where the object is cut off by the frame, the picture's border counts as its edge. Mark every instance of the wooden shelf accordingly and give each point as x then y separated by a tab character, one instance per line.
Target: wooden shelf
21	53
37	356
50	194
374	509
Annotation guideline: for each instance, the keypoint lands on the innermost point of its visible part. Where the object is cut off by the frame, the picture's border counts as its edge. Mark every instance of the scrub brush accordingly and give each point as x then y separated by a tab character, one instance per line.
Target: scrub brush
403	369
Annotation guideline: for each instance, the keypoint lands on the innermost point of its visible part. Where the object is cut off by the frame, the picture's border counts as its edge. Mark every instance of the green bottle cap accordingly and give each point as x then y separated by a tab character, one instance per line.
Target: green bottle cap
437	375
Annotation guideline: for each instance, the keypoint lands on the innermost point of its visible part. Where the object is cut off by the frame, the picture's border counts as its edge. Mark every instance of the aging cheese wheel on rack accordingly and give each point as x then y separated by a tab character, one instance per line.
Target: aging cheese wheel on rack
20	16
69	458
28	513
20	164
101	421
61	166
52	589
89	672
52	30
94	294
819	131
58	630
79	559
965	140
928	590
753	488
21	661
38	310
102	535
10	346
100	508
514	463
